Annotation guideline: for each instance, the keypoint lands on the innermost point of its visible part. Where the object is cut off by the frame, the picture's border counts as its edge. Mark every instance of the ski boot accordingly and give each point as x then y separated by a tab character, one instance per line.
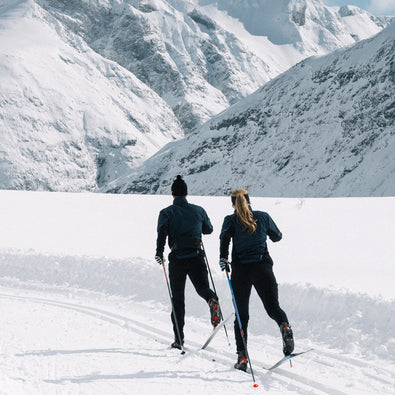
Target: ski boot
288	339
176	344
241	363
215	312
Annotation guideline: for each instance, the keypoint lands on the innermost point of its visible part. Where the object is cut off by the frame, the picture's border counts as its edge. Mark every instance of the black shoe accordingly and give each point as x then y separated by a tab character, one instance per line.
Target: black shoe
288	338
215	312
176	344
242	361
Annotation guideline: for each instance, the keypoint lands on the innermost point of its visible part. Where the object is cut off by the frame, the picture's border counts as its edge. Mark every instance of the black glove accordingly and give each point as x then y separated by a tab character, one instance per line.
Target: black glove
159	259
224	264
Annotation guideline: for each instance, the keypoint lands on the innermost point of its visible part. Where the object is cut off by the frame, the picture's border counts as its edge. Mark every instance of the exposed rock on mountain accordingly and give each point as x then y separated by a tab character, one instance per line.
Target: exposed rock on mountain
326	127
90	89
70	120
202	56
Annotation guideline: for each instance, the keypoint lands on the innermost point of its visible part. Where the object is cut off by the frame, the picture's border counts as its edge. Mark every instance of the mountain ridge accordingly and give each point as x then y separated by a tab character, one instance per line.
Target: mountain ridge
70	119
323	128
197	64
91	89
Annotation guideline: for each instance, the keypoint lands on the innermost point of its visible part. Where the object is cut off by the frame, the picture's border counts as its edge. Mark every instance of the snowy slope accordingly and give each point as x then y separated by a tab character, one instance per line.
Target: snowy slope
69	118
85	309
201	56
323	128
90	89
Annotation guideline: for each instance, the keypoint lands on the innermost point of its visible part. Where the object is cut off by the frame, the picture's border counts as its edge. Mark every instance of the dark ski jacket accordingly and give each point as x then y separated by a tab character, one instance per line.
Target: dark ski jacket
248	248
183	223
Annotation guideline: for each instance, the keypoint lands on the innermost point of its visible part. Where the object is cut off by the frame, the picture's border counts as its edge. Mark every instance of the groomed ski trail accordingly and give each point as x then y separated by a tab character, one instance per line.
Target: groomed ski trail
124	361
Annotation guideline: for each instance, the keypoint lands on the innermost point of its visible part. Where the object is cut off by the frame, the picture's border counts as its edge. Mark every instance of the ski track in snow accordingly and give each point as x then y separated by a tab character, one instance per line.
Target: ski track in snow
379	378
84	309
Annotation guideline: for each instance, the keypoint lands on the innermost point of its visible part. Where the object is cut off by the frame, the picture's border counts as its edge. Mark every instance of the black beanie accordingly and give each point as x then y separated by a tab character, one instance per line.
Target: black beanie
179	188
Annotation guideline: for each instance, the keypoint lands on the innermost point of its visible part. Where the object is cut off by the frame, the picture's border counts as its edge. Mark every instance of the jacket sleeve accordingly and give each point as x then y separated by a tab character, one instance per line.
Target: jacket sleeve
207	228
273	232
163	231
227	233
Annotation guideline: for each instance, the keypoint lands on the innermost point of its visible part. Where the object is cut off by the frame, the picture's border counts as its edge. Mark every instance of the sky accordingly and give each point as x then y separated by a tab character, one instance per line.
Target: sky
376	7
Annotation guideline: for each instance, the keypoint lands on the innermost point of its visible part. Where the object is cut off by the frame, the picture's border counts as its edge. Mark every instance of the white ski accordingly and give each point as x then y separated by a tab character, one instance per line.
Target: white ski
286	358
215	331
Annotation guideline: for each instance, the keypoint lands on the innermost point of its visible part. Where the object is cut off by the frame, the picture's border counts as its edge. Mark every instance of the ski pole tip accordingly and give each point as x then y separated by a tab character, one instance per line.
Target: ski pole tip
256	385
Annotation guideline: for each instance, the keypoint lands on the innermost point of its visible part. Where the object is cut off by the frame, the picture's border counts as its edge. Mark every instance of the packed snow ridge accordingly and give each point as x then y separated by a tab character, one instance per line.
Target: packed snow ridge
89	90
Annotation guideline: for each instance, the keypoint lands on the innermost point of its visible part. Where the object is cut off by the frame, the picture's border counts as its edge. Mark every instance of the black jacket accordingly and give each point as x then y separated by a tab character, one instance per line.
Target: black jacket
183	223
247	248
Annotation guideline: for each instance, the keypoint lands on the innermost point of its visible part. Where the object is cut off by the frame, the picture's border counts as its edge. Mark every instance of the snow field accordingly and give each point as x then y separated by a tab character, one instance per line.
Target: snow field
85	308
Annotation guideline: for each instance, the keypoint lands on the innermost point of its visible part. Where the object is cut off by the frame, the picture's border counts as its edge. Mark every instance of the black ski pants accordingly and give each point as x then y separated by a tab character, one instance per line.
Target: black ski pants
261	276
195	268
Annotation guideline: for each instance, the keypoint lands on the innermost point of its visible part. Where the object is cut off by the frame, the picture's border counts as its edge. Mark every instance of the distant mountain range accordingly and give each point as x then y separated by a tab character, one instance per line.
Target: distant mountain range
90	89
326	127
201	56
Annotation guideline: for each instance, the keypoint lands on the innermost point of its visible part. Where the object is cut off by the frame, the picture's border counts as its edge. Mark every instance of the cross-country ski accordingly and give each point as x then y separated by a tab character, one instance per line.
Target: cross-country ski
216	330
287	358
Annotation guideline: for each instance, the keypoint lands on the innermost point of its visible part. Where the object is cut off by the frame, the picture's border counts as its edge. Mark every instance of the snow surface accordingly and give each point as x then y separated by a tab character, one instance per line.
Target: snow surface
85	309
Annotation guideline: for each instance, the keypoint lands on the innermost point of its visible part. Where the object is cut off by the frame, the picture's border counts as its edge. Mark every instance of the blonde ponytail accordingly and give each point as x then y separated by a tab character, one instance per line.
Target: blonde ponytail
240	201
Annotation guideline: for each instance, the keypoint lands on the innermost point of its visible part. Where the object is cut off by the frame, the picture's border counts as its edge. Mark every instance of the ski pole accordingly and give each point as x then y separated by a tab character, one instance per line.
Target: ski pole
212	281
172	309
240	326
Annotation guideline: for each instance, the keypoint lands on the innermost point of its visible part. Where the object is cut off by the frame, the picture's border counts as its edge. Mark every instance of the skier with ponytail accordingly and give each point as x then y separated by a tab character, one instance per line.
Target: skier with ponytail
251	266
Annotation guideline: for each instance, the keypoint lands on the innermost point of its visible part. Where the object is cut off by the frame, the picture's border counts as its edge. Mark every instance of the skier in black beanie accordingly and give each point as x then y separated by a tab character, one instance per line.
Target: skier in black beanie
183	224
179	188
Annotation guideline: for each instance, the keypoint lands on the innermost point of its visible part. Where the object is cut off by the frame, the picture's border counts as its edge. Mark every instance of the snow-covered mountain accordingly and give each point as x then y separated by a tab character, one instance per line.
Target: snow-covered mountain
203	55
69	118
90	89
323	128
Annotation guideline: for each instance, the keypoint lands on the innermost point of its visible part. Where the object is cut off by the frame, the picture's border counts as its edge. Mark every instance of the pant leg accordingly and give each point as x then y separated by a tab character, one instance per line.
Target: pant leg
197	272
241	285
265	283
177	277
